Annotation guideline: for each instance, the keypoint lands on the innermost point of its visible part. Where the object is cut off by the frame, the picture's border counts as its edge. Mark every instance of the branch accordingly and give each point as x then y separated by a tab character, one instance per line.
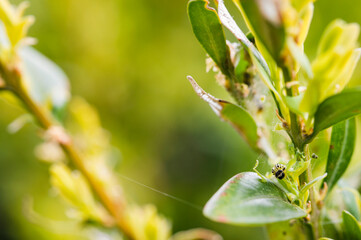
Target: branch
114	203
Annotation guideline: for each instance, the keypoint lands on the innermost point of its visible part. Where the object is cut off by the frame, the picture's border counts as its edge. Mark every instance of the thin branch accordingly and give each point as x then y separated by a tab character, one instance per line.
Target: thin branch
115	205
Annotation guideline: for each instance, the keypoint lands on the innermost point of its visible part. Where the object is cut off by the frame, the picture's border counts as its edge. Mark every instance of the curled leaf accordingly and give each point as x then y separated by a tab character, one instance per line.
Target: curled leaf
238	117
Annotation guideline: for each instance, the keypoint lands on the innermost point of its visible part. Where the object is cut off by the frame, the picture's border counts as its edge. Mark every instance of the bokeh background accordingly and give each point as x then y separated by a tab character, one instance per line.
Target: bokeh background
130	59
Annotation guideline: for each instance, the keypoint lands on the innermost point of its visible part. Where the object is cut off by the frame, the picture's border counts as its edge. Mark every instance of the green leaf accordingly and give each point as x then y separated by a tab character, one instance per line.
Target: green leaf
337	108
209	32
47	83
246	200
257	58
238	117
232	26
341	149
352	201
264	19
311	183
301	58
351	226
287	230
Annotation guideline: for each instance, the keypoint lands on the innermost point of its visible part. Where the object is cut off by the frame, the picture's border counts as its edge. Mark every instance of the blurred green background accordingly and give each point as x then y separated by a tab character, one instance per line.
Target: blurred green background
130	60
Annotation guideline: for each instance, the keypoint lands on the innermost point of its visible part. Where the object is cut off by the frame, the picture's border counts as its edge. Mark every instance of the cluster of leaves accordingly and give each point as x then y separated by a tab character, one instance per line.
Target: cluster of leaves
309	101
75	145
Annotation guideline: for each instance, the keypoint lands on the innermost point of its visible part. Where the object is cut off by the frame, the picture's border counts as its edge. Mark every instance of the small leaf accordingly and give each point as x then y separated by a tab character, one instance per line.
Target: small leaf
246	200
341	149
47	83
299	55
238	117
351	226
264	19
209	32
337	108
311	183
352	201
293	103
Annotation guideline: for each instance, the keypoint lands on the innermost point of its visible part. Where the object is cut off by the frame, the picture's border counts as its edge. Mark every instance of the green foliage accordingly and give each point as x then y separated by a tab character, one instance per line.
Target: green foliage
235	115
209	32
246	199
341	149
265	21
337	108
309	98
352	228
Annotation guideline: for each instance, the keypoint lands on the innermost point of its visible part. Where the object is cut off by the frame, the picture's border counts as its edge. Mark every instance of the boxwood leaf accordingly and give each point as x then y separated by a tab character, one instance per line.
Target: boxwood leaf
351	227
341	149
263	18
232	26
247	200
209	32
337	108
238	117
257	59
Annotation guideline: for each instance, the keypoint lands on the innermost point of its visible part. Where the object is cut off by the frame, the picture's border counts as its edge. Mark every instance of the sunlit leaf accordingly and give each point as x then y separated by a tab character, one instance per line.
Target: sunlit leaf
238	117
337	108
301	58
229	23
263	18
247	200
257	58
209	32
351	226
46	82
341	149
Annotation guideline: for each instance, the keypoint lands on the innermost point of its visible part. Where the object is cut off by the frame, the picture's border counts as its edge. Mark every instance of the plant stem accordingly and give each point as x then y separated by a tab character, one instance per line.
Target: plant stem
315	213
294	132
297	139
114	205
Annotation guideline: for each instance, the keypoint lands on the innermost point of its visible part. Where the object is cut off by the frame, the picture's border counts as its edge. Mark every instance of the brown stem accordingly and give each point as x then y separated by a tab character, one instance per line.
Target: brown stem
114	205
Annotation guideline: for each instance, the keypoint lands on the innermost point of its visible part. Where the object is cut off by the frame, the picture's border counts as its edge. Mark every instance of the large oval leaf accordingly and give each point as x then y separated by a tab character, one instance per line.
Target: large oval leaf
351	227
246	200
337	108
238	117
341	149
209	32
